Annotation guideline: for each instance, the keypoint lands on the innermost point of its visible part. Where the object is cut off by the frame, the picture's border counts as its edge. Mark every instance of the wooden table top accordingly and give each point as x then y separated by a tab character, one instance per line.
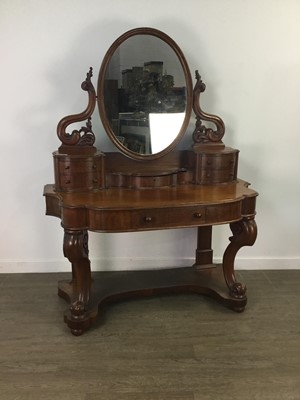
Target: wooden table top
116	198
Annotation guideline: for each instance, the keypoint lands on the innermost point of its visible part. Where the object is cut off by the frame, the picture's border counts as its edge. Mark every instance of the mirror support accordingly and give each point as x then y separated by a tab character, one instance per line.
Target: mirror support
84	137
78	166
202	135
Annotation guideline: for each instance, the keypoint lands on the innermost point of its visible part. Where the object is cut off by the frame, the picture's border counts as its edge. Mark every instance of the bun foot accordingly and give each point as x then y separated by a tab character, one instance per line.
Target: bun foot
77	332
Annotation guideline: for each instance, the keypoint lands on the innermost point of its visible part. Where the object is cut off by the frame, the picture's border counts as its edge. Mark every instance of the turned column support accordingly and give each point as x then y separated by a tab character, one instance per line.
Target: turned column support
244	234
76	250
204	252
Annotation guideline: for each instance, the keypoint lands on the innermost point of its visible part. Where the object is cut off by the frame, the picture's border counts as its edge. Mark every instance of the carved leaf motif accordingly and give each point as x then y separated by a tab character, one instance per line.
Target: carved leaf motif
238	290
202	134
84	136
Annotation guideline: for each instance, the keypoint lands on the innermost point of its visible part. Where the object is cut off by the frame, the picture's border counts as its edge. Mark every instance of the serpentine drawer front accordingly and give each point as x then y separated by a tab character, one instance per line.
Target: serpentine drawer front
124	220
187	216
148	219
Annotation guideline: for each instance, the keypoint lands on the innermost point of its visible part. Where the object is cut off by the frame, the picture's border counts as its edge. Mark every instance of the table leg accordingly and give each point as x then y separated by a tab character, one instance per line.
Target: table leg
244	234
76	250
204	252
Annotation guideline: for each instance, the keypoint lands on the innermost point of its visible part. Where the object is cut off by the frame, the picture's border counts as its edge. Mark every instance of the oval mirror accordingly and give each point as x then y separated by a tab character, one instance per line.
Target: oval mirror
145	93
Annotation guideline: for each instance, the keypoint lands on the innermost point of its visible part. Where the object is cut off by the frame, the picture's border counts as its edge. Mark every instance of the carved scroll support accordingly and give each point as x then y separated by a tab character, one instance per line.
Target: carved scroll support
84	136
203	136
244	234
76	250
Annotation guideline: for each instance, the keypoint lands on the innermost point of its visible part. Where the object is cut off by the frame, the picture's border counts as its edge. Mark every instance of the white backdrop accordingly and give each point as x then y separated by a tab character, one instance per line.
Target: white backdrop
248	53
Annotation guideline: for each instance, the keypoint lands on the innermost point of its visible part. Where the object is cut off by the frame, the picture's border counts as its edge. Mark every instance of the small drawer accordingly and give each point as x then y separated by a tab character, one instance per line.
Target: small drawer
78	181
66	166
218	161
216	176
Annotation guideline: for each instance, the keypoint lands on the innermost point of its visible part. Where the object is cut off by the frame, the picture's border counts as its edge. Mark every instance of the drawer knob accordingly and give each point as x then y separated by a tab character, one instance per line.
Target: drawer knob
197	215
148	219
67	181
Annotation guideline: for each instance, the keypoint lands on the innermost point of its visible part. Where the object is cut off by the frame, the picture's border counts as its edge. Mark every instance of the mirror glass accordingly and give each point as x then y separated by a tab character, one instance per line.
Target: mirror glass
144	93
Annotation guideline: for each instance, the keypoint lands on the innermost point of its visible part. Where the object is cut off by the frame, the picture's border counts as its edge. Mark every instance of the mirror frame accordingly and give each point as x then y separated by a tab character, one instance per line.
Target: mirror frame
100	92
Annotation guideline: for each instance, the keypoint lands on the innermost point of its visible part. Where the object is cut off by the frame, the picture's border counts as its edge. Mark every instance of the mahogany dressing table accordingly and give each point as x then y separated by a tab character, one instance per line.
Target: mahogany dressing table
145	98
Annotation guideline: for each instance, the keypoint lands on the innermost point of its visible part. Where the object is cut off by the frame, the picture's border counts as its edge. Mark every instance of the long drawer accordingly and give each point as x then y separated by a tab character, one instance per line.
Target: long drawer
162	218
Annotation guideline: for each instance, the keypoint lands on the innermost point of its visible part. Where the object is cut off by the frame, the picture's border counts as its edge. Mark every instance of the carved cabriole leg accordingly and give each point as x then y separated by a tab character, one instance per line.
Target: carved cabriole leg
76	250
244	234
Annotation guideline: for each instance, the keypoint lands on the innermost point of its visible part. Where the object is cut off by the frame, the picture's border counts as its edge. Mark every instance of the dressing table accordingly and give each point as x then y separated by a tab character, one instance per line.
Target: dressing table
145	97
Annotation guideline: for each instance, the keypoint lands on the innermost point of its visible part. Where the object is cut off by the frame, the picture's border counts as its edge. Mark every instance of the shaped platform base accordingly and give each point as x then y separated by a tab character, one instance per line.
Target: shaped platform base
114	286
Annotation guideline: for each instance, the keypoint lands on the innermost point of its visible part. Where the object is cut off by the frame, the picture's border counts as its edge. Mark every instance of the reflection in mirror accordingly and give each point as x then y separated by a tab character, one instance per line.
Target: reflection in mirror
145	94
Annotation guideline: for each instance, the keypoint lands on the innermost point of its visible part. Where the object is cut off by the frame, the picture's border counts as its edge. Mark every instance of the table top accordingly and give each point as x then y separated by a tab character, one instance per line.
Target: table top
125	210
124	198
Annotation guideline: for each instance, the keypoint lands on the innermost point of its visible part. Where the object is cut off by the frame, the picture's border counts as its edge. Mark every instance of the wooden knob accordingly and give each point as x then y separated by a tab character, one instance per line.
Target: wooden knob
148	219
197	215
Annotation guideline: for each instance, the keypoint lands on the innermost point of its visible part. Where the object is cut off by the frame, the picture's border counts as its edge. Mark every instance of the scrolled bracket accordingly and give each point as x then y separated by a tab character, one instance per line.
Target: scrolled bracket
202	134
244	234
84	136
75	248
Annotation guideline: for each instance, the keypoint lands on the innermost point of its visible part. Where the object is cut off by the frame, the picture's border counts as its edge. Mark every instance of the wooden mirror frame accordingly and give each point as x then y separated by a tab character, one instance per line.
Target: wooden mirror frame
100	98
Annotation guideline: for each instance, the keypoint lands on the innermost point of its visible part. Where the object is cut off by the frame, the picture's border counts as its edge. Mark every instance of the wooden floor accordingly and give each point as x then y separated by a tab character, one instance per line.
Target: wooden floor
167	348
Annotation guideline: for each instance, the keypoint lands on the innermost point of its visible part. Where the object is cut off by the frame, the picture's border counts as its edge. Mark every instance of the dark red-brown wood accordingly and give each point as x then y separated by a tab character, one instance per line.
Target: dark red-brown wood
125	210
115	192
